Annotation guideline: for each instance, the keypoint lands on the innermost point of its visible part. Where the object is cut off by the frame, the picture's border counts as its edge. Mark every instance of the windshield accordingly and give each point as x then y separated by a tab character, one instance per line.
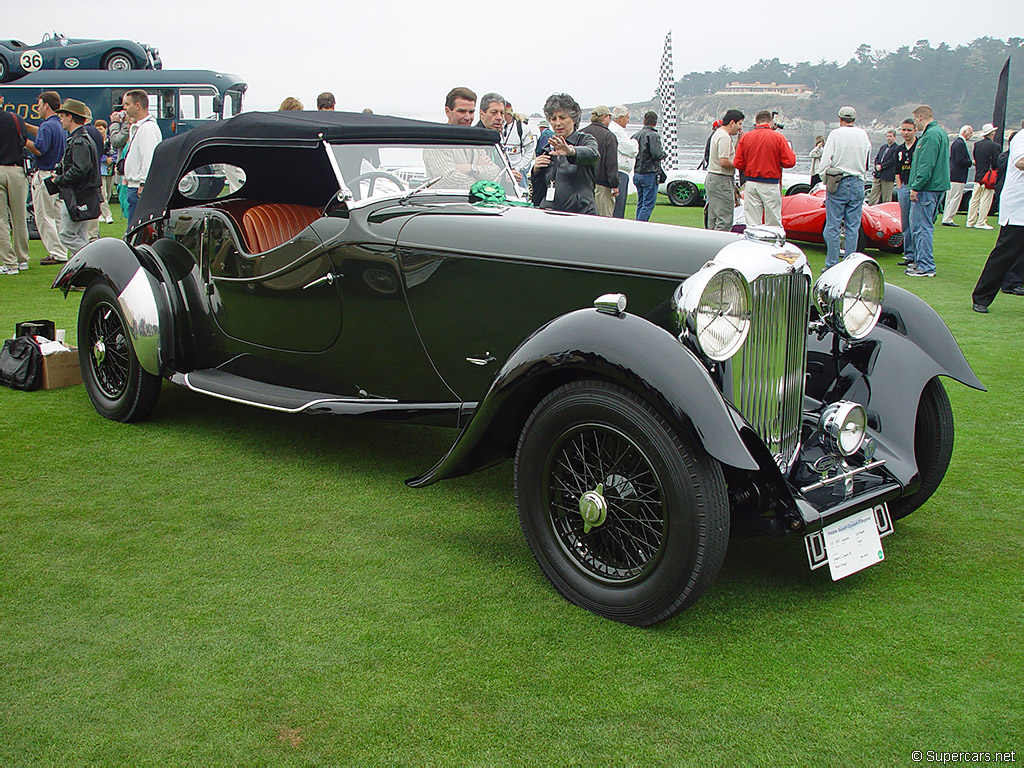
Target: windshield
381	170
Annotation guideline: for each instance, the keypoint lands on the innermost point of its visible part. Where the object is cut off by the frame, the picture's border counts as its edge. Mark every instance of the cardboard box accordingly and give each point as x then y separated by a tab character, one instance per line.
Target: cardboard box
61	369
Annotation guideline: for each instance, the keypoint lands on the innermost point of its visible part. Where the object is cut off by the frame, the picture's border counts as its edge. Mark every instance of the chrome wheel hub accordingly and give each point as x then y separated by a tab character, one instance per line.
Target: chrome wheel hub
593	508
99	351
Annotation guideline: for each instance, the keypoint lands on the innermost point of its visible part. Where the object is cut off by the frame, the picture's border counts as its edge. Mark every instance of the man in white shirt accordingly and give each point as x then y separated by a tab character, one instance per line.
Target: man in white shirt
519	144
846	155
627	150
1010	244
145	135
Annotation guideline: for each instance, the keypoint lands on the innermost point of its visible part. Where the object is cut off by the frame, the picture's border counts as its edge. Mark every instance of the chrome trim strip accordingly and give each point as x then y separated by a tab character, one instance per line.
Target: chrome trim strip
843	476
310	404
138	305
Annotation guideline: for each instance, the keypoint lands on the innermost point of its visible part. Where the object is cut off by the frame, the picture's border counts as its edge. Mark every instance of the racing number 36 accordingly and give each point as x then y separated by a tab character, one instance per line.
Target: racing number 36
31	61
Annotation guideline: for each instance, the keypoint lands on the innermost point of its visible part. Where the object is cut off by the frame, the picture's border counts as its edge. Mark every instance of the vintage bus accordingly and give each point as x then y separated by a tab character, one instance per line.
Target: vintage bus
179	99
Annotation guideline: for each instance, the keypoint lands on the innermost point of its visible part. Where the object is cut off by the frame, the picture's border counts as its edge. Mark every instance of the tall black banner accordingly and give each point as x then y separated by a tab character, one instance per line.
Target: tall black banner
999	111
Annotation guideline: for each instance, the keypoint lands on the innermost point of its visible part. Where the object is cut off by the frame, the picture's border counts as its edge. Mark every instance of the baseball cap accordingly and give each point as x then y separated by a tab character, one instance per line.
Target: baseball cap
848	113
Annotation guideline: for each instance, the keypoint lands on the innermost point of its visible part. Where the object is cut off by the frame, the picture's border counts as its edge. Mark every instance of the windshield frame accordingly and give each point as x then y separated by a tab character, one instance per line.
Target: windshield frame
504	173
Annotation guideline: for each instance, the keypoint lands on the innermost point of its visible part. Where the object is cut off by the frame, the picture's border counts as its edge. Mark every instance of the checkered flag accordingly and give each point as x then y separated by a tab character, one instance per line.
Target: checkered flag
667	92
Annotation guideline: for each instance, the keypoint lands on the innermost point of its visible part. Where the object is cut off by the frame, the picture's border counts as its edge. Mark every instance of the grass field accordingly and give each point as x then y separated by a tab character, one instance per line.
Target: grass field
228	585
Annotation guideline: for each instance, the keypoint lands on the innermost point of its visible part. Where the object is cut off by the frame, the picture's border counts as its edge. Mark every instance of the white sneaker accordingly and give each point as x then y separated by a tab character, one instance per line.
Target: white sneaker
5	270
108	220
969	226
23	266
983	226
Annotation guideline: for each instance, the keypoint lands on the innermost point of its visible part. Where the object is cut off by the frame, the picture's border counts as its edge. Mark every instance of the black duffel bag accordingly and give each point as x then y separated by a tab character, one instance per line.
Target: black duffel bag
21	364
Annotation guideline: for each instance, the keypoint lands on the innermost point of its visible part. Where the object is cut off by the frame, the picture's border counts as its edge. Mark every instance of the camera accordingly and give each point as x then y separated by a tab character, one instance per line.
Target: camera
777	124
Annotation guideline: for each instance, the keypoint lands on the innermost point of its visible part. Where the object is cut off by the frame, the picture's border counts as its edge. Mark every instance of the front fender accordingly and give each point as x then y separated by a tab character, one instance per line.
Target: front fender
913	318
887	371
140	293
587	343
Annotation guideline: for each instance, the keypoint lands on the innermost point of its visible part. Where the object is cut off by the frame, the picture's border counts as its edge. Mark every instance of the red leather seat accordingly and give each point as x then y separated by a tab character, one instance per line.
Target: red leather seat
267	225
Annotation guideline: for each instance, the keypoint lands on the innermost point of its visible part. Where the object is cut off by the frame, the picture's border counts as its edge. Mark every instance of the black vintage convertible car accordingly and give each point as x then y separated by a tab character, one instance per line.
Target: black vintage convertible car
658	387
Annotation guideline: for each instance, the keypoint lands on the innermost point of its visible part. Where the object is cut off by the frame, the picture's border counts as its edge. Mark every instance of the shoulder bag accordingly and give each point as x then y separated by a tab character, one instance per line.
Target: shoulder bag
83	203
21	364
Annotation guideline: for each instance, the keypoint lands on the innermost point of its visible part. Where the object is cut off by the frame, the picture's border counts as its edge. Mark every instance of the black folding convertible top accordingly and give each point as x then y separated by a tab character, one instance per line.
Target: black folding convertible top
263	131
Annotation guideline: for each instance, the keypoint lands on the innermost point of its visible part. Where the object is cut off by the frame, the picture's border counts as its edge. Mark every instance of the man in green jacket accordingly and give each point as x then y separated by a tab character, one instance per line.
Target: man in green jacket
929	180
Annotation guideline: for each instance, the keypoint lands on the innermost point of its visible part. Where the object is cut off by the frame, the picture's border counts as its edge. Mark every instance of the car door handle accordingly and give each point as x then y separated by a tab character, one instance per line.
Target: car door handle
329	278
481	360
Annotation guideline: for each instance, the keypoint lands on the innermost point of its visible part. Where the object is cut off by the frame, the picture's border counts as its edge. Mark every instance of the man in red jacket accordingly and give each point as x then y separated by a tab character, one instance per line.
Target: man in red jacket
760	156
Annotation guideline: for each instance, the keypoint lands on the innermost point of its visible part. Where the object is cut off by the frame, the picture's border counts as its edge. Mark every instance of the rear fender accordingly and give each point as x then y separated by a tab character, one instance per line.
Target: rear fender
139	284
625	349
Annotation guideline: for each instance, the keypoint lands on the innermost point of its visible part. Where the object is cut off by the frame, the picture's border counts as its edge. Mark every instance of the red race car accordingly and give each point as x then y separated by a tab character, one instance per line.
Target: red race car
803	218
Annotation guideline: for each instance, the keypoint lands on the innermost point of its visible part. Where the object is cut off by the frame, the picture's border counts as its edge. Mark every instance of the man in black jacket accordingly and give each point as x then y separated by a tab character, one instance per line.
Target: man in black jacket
986	152
885	171
606	172
959	164
648	161
77	178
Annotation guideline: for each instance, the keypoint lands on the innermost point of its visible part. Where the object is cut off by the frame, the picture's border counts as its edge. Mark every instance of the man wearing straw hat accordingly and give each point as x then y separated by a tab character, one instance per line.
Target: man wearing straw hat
986	152
77	178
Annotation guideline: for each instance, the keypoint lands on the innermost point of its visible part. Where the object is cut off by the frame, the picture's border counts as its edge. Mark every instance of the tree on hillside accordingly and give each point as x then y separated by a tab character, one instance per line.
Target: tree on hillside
958	82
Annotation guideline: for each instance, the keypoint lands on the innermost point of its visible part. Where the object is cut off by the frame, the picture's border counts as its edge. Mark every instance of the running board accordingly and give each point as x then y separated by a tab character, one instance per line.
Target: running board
238	389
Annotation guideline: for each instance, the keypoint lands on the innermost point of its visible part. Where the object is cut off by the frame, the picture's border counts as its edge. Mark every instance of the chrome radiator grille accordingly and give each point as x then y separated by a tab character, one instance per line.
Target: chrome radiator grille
768	373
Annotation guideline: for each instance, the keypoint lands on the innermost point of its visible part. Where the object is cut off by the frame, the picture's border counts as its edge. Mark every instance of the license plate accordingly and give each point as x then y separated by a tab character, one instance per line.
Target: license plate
851	544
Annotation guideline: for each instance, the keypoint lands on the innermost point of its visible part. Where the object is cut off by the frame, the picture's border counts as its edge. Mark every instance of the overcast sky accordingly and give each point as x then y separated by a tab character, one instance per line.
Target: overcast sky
402	56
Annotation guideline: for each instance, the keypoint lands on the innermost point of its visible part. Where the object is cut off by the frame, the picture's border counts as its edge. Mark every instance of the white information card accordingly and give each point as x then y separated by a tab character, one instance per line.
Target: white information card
853	544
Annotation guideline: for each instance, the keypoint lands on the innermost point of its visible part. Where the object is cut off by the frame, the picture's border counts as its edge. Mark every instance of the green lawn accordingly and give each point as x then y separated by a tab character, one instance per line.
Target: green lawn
228	585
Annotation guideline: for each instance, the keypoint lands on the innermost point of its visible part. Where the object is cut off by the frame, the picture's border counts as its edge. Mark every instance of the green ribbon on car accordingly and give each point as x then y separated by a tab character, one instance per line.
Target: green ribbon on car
486	192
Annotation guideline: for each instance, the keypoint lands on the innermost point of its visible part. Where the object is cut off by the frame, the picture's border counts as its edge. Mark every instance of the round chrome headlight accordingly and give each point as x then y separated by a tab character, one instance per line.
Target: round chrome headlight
713	307
843	427
849	296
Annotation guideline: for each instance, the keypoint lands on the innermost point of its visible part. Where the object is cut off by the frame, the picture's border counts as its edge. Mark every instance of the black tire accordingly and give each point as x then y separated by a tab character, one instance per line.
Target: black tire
933	447
862	240
798	189
119	61
667	525
3	70
119	388
683	193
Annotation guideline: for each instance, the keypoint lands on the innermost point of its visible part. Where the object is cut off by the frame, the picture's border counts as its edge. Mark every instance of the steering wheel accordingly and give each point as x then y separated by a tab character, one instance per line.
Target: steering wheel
372	177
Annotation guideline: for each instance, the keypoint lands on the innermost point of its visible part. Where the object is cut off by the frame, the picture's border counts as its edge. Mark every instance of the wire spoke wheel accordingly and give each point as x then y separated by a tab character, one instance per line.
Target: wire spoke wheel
118	386
626	517
630	540
109	351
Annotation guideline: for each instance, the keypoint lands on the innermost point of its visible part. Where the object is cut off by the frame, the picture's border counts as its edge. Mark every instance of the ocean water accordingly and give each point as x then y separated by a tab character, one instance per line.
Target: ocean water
691	140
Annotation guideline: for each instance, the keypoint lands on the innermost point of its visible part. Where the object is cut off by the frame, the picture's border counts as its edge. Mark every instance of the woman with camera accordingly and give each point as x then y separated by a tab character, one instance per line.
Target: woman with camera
562	175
